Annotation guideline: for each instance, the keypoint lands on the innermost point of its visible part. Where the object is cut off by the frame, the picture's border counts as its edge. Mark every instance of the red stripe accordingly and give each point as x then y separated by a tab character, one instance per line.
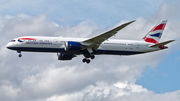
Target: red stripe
153	41
161	47
159	27
150	40
26	39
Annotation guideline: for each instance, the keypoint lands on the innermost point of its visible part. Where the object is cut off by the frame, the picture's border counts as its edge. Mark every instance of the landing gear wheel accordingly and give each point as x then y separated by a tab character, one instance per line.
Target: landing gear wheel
86	60
18	51
20	55
92	57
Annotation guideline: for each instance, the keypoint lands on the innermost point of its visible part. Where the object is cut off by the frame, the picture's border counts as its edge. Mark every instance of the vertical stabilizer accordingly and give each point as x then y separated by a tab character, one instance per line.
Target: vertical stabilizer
155	34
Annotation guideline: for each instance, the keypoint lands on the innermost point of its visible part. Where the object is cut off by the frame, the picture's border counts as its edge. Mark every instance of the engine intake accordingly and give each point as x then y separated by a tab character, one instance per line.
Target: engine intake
72	46
62	56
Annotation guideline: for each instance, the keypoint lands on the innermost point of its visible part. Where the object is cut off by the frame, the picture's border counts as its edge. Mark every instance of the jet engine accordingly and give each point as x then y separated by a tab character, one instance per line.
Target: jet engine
62	56
72	46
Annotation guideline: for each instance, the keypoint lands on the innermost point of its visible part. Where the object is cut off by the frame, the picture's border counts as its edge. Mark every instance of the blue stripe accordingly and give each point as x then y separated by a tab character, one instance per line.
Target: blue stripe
157	35
20	41
36	49
110	52
61	50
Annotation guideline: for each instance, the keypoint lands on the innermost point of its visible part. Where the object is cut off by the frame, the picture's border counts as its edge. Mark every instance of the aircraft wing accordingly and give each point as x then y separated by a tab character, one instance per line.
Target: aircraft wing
96	41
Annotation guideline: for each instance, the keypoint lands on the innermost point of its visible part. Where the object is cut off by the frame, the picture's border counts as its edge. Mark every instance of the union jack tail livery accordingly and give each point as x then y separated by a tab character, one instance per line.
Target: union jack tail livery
155	34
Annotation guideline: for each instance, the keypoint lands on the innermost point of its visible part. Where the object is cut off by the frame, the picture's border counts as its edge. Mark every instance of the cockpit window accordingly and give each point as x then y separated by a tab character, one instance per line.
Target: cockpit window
12	40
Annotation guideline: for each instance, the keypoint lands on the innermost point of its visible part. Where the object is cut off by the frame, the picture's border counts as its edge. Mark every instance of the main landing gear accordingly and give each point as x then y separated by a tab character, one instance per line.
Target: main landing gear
20	55
88	55
87	60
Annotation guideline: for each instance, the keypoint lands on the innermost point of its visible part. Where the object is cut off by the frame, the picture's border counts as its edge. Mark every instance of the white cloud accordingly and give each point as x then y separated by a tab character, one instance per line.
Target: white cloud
102	91
66	97
40	76
168	11
8	92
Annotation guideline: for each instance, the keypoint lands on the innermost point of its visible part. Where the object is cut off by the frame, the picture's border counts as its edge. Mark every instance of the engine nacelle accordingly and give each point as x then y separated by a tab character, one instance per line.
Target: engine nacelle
62	56
72	46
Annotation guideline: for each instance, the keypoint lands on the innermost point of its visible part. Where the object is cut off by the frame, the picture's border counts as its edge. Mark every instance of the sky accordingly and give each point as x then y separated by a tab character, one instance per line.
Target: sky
41	77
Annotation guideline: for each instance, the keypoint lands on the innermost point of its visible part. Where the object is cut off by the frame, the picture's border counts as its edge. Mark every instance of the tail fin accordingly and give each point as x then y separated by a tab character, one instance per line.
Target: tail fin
155	34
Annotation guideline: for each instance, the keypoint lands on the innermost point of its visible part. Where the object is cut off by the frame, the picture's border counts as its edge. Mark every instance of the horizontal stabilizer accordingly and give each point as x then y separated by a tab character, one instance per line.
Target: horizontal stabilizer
162	43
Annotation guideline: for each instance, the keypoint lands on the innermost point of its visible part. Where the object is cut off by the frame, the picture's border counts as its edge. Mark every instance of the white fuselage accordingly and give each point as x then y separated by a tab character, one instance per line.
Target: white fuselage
68	48
57	45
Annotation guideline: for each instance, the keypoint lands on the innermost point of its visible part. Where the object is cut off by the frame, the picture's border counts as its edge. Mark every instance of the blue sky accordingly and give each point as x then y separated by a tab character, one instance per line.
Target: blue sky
164	77
41	77
73	12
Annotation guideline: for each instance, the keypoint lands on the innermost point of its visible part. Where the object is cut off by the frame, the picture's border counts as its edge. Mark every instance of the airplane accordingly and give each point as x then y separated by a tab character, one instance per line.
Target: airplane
68	48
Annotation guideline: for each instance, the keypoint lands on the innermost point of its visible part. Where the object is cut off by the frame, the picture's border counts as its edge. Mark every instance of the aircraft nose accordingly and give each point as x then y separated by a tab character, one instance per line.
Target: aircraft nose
9	46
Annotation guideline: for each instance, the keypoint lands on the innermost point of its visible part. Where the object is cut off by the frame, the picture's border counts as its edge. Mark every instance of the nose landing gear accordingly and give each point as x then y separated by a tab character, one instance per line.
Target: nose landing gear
20	55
